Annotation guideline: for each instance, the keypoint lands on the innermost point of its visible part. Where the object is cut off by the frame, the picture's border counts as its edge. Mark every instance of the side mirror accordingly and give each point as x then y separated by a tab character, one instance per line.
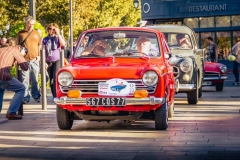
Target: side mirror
167	55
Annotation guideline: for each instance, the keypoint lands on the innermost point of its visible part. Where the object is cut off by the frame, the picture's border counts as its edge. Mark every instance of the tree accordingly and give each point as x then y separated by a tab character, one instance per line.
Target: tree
3	18
87	14
21	25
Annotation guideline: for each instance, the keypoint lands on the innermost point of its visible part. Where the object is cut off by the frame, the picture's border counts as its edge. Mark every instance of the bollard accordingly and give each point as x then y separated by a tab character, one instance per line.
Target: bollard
19	77
62	58
43	79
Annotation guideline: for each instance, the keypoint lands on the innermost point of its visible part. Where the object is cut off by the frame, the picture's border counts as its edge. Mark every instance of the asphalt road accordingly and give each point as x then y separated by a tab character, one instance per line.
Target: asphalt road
206	131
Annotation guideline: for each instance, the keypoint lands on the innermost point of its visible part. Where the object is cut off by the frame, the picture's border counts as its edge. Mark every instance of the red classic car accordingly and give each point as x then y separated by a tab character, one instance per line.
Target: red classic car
119	73
215	74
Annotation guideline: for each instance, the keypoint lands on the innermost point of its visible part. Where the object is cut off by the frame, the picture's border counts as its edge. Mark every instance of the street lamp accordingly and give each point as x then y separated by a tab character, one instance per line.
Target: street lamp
135	3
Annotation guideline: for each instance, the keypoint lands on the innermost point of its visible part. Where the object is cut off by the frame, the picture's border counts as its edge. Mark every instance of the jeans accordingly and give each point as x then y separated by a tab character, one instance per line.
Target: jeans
1	97
235	71
52	70
19	89
31	75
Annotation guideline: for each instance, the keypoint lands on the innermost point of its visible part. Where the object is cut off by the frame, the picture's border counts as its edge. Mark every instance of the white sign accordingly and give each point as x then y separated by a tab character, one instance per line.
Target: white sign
208	8
116	87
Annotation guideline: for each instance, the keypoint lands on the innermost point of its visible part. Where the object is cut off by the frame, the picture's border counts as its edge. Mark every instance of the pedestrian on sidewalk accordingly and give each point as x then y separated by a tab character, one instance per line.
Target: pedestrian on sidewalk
31	40
8	57
212	50
236	53
53	44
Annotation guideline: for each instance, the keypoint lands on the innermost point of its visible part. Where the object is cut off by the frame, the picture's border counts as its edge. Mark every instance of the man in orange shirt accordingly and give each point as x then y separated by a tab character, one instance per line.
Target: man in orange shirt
31	40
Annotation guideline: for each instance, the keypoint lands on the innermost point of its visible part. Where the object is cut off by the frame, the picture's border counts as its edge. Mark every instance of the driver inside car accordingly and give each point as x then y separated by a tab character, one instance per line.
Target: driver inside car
183	41
144	47
97	48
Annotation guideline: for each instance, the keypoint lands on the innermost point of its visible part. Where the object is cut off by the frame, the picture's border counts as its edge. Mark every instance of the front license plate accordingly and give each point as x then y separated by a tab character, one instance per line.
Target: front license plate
105	101
207	83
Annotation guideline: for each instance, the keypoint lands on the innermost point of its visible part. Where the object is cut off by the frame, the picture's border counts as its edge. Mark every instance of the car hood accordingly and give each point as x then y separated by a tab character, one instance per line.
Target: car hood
182	52
107	70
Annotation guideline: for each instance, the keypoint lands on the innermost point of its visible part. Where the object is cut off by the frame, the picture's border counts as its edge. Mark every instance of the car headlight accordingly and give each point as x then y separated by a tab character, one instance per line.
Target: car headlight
150	78
65	78
186	66
174	60
223	69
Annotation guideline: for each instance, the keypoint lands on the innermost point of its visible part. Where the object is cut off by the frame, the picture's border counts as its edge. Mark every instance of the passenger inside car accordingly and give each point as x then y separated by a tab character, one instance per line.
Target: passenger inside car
144	47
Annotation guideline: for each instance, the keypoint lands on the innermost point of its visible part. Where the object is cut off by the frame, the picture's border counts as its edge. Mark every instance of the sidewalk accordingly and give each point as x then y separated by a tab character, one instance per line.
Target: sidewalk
32	105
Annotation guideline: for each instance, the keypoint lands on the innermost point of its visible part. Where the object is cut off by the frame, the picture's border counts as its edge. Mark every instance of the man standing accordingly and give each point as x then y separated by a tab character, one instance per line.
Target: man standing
31	40
8	55
236	53
212	50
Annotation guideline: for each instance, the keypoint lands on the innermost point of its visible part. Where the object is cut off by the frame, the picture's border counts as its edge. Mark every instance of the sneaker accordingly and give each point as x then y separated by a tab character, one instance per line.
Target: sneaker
25	101
37	100
236	84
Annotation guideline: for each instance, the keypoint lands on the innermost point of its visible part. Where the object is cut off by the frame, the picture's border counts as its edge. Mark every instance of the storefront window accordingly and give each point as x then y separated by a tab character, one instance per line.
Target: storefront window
191	22
177	22
206	22
204	36
224	44
223	21
235	20
235	34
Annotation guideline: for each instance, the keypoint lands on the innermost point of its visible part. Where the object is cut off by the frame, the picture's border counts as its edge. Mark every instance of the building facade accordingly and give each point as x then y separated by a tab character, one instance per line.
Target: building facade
219	19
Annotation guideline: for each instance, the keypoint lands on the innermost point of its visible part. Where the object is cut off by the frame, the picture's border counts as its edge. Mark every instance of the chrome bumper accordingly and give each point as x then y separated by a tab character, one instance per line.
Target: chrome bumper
129	101
186	87
214	78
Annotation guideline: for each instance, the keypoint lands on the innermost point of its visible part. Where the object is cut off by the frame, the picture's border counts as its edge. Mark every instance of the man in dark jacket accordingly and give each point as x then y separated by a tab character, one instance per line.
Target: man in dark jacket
8	56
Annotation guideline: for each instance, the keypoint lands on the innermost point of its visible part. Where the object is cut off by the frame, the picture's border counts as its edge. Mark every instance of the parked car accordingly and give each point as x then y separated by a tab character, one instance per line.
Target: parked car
110	79
187	58
215	75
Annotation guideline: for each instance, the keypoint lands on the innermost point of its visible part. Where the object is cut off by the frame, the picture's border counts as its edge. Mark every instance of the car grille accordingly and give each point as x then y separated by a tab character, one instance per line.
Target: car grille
91	86
211	74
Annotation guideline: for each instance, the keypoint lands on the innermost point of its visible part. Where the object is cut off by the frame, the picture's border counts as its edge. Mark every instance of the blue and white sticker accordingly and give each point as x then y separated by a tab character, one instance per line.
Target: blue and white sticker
116	87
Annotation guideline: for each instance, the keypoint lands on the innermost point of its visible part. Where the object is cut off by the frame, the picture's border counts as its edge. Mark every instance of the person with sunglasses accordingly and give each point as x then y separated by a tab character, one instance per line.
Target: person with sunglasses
53	44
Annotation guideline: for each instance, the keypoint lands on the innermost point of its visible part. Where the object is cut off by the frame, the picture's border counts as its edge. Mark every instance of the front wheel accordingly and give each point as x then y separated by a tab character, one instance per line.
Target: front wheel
161	119
64	118
219	86
192	96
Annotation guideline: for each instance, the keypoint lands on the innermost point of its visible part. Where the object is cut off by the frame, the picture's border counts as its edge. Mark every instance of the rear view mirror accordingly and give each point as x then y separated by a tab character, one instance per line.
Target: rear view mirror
119	35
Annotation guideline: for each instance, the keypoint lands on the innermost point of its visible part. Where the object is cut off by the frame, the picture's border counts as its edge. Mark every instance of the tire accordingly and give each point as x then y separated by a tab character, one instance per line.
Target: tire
63	118
200	92
161	119
219	86
192	96
171	111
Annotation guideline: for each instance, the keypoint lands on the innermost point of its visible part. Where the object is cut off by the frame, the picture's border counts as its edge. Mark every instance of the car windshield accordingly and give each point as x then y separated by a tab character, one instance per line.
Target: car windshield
178	41
118	43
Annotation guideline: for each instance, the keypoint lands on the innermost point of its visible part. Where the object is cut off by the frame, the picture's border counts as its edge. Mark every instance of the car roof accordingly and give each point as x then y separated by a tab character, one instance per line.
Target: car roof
172	28
122	28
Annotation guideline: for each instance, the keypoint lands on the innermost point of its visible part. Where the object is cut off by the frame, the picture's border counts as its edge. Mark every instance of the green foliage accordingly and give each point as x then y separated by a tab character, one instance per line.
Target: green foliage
21	25
86	14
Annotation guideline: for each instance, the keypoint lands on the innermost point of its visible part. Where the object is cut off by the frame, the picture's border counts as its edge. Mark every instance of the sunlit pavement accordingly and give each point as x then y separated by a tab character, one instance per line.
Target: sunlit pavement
209	130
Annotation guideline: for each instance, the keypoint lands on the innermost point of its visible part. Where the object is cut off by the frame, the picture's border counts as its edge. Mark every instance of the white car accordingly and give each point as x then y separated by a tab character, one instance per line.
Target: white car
188	60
